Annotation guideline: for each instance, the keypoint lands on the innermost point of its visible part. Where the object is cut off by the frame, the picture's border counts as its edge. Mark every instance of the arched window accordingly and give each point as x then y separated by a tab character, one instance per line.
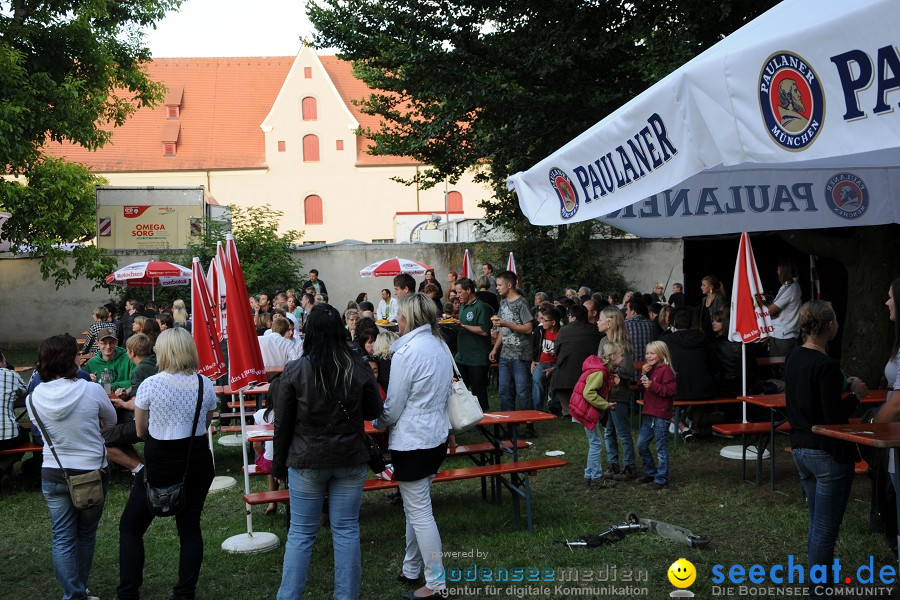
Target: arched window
454	202
312	210
310	148
308	109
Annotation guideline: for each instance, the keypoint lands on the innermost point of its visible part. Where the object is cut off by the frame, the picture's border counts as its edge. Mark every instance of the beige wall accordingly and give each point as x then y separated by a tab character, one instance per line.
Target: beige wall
359	202
31	309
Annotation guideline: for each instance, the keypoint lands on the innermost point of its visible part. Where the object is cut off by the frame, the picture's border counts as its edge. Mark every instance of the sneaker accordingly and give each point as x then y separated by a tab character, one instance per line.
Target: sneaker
611	470
687	434
645	479
587	482
653	486
603	483
627	474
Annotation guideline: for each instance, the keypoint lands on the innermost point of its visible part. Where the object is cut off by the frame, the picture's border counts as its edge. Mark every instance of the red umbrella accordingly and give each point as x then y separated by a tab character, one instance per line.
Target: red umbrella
245	363
750	320
151	274
216	281
511	266
466	270
394	266
204	330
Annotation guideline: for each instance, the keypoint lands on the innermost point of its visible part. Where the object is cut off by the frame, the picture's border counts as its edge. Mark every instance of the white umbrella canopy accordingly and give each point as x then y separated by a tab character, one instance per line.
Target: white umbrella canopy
805	88
391	267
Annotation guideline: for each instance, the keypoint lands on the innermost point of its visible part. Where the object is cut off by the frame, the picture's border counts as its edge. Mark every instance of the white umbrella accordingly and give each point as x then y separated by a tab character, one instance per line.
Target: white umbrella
391	267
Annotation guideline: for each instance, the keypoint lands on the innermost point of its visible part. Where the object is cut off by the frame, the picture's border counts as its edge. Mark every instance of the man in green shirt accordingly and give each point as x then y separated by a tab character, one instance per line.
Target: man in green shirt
112	358
473	343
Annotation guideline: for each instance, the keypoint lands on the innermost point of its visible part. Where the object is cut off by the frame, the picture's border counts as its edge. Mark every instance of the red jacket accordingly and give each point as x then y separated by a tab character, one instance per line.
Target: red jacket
581	410
658	397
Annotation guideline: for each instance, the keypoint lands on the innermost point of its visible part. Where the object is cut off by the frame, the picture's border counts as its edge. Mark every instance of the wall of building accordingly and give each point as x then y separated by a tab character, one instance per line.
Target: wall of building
31	309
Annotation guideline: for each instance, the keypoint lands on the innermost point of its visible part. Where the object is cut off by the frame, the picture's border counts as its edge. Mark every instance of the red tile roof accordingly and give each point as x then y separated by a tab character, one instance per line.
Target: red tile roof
223	102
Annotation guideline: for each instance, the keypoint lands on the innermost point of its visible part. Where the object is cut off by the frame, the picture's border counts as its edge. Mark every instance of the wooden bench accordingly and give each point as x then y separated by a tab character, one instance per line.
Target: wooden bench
23	449
681	404
761	434
519	487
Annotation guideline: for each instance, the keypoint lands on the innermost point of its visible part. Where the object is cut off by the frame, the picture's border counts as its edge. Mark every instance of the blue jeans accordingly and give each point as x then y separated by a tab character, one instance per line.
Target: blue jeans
539	384
344	486
74	535
826	484
658	429
619	428
594	468
516	372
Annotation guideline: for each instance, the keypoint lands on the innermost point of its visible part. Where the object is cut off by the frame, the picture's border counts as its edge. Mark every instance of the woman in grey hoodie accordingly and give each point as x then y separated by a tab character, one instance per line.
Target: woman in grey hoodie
71	410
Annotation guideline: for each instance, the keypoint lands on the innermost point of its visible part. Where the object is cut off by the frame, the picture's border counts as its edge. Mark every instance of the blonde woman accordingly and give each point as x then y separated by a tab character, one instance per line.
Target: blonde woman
180	315
612	324
416	411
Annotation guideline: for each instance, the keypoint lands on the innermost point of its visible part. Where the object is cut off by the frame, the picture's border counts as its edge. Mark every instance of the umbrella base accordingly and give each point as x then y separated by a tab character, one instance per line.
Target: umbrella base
230	440
220	483
735	452
254	543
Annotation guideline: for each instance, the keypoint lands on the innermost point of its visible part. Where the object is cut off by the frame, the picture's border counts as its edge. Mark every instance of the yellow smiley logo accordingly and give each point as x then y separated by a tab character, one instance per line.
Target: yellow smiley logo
682	573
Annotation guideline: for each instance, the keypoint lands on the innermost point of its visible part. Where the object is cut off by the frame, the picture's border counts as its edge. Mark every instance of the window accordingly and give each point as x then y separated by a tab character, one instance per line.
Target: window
382	241
339	145
168	149
308	109
307	72
313	242
281	146
454	202
173	112
310	148
312	210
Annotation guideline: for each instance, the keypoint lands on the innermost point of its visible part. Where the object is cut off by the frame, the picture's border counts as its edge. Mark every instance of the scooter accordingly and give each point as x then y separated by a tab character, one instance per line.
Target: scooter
633	524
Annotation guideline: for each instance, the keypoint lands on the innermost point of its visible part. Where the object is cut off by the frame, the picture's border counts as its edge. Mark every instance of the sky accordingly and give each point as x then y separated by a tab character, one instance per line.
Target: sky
228	28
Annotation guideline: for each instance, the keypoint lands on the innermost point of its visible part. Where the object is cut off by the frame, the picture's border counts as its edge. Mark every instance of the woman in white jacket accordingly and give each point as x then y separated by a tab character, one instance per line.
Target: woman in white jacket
416	411
71	410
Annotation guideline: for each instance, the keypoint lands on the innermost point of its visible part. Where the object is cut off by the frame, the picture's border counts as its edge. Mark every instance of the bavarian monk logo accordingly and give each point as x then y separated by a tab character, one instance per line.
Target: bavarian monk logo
568	198
791	101
847	195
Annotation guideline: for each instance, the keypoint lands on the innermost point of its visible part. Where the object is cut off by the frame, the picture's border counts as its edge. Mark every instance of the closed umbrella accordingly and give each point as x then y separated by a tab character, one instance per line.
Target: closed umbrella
245	369
394	266
151	274
216	282
511	266
205	329
466	270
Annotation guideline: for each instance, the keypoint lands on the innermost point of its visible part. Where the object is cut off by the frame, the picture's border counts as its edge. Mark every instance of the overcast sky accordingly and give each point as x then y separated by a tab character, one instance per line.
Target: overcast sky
231	28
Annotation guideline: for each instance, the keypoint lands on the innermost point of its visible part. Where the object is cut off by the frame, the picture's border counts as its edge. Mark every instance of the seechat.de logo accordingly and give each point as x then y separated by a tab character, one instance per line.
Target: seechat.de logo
682	574
568	197
791	101
847	195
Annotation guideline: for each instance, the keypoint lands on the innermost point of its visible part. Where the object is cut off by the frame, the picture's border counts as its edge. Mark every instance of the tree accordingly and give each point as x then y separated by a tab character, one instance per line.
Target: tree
69	71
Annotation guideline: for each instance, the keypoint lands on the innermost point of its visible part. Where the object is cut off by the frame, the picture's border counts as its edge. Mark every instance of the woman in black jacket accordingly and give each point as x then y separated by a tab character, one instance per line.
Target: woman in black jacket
320	406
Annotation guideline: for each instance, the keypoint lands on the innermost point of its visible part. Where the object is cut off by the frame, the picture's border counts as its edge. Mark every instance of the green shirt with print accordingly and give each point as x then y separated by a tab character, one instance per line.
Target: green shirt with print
471	349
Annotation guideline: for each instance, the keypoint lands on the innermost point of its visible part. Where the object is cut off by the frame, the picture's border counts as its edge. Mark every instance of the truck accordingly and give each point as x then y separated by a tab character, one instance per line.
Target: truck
152	218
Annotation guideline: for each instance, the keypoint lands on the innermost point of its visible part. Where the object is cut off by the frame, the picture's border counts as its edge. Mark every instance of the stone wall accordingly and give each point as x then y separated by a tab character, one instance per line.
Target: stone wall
31	309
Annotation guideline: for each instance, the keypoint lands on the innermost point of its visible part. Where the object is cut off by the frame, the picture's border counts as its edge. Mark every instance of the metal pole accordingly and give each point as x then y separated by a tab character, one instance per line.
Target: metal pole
246	469
744	377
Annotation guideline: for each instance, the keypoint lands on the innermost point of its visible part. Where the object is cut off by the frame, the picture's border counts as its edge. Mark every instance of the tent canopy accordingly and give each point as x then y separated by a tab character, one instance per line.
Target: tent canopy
790	122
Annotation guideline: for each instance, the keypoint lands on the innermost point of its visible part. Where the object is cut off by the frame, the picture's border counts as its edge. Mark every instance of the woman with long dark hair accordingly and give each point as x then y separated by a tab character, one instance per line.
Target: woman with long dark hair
320	406
812	385
68	411
416	408
713	301
175	450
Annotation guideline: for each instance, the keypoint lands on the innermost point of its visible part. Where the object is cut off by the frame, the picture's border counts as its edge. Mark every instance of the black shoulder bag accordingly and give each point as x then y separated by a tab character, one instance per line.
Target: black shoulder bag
169	501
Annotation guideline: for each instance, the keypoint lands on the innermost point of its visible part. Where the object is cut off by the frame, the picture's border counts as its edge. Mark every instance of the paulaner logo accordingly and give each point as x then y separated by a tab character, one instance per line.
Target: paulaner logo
847	195
568	198
791	101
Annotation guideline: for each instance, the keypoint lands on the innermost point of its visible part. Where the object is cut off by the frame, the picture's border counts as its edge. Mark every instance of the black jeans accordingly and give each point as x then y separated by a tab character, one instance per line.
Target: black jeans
477	379
136	518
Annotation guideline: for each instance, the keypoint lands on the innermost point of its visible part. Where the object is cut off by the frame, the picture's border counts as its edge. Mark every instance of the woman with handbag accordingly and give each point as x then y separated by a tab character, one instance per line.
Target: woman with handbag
172	411
320	447
68	411
416	410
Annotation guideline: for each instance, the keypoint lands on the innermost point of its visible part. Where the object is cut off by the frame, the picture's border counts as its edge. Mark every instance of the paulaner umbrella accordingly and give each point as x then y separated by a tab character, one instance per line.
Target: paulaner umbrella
466	270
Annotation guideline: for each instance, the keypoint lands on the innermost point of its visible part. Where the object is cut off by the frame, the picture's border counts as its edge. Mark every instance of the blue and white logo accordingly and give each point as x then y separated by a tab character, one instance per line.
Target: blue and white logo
847	195
791	101
568	197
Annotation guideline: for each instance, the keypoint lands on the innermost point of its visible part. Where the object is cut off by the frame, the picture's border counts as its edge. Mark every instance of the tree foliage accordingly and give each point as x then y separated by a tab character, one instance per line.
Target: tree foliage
56	207
498	85
69	71
265	254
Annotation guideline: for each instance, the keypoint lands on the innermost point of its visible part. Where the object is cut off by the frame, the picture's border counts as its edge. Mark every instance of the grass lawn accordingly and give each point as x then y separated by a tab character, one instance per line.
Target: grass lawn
748	525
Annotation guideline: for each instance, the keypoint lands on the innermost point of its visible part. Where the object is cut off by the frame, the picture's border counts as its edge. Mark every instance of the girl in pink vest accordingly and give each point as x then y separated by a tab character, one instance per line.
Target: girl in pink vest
589	403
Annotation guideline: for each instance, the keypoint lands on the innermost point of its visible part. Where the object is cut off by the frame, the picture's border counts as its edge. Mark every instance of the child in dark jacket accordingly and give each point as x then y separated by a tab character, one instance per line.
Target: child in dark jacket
589	404
659	390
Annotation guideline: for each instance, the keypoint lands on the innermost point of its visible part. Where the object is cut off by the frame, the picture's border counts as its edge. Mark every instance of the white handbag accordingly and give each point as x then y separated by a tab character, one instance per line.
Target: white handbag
464	408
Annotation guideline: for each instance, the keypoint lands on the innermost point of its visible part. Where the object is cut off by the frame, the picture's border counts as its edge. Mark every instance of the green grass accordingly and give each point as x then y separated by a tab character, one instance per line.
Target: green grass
747	524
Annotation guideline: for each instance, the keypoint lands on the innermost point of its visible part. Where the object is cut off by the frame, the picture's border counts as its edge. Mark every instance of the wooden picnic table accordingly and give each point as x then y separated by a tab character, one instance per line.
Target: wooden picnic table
877	435
777	403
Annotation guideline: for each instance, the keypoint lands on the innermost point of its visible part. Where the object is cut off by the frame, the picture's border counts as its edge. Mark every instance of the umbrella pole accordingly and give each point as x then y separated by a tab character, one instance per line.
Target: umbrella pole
744	378
246	469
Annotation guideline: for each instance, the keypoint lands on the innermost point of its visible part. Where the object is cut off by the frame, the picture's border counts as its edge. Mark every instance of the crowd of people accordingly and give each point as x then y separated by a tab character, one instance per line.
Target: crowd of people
579	355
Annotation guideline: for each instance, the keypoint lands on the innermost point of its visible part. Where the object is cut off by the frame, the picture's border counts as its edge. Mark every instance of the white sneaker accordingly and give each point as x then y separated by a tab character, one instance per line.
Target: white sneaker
671	427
